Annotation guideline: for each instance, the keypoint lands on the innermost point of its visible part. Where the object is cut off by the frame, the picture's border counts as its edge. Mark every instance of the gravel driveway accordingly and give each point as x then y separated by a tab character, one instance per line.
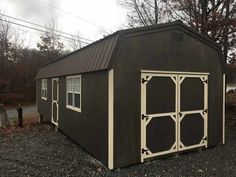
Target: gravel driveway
41	151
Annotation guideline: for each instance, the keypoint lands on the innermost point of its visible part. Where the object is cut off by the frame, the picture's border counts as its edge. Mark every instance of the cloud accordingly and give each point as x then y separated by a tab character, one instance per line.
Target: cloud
37	10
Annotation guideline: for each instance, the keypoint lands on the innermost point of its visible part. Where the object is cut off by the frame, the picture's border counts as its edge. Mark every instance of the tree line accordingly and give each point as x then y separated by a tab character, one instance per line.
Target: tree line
19	64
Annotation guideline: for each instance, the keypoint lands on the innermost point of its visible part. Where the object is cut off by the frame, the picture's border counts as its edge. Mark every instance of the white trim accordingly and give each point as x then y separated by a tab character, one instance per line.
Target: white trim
78	109
174	72
73	108
55	101
110	119
223	137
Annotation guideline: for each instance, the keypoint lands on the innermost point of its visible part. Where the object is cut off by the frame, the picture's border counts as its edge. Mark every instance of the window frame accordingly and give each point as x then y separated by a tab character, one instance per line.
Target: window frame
44	89
72	107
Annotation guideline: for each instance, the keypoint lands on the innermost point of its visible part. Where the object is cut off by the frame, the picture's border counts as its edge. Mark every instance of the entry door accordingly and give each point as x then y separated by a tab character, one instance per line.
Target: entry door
55	99
173	113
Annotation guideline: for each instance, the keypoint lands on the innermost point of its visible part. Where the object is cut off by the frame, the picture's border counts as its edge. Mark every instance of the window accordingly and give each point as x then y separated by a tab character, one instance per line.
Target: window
73	93
44	90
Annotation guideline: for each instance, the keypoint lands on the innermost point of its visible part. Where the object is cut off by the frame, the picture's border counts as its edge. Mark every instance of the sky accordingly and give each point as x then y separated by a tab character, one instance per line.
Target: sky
91	19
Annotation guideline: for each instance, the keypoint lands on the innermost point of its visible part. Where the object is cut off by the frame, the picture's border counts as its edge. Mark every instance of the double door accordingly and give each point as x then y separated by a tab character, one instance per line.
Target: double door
173	112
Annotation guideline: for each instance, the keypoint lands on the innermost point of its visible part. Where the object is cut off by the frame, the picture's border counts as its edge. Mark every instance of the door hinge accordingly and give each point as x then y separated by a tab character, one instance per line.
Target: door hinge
204	111
144	80
144	117
205	81
145	151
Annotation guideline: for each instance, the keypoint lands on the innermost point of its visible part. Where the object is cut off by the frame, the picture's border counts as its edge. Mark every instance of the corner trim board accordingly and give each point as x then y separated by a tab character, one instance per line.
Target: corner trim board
110	118
223	137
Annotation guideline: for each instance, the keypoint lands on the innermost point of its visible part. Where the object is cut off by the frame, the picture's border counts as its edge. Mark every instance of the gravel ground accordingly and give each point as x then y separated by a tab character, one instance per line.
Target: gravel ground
40	151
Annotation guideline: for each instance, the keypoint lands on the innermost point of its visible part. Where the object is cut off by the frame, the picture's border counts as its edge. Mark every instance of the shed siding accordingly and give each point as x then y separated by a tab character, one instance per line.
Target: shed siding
88	128
159	51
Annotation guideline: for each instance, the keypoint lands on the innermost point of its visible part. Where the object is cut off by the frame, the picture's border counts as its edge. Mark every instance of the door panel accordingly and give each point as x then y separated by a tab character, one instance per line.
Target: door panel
156	95
192	94
162	130
192	129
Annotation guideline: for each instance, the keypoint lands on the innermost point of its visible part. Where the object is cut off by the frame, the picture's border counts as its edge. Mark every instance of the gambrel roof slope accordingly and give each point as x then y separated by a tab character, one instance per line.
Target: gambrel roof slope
99	55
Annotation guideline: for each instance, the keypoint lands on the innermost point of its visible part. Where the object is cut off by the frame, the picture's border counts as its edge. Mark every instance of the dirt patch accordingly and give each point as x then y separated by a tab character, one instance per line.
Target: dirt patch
39	150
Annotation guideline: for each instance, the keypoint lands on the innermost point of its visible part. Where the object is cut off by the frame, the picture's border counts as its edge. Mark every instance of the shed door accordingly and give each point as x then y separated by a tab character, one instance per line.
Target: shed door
55	98
173	113
159	115
192	106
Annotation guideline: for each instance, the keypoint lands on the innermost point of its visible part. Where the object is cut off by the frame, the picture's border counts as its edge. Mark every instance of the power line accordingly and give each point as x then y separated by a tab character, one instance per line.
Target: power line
43	31
43	27
71	14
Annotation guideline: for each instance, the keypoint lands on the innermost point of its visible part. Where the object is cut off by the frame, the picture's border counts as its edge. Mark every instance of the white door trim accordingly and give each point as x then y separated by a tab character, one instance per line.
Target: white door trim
55	101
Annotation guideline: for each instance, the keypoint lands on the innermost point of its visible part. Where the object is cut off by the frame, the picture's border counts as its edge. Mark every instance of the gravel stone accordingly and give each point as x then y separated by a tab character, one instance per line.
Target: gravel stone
41	151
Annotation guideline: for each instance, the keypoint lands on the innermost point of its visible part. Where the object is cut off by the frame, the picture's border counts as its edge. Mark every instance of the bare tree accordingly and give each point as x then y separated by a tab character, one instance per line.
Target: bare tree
145	12
214	18
76	42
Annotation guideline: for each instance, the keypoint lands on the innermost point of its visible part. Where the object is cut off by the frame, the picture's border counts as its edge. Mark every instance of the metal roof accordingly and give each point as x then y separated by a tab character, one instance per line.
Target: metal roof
98	55
93	57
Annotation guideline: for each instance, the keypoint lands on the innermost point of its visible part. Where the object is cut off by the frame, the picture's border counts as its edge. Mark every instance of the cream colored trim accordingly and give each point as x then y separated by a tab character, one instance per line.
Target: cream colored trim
55	101
173	72
223	141
145	122
110	119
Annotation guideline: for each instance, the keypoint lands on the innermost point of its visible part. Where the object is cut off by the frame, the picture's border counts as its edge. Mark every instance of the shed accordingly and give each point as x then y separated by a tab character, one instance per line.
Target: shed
137	94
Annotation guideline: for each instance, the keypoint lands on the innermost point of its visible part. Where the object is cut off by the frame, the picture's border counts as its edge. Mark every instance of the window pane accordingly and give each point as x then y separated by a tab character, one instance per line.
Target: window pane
69	84
70	95
77	84
77	100
45	84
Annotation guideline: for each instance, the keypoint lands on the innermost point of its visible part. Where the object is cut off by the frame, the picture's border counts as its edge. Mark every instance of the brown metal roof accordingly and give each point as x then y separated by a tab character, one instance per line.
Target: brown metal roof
98	55
93	57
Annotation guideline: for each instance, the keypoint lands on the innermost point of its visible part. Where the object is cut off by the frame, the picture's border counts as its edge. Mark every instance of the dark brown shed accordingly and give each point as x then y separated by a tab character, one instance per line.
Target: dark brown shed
137	94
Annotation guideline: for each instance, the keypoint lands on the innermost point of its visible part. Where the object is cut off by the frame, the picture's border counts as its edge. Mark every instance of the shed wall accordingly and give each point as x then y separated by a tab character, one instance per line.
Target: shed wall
89	127
159	51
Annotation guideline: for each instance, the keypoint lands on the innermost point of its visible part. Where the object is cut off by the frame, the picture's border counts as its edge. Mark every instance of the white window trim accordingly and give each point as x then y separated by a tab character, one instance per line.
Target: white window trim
46	89
69	106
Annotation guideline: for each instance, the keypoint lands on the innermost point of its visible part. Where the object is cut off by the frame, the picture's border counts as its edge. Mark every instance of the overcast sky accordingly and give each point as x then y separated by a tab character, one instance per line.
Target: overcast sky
92	19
